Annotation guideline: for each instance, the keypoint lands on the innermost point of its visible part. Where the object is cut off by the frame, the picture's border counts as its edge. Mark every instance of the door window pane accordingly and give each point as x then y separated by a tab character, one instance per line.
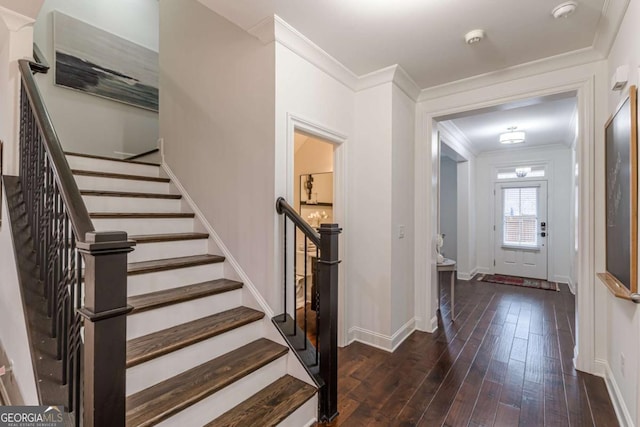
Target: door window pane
520	217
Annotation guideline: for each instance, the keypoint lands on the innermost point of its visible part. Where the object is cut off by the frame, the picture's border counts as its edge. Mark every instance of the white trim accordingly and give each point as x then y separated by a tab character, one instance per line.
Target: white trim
384	342
340	174
543	147
434	324
463	275
579	79
455	138
248	284
14	20
276	29
613	12
561	279
603	370
572	286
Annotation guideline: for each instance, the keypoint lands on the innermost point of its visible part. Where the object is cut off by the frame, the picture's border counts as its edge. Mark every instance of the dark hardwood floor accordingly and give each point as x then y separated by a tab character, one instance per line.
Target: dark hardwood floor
506	361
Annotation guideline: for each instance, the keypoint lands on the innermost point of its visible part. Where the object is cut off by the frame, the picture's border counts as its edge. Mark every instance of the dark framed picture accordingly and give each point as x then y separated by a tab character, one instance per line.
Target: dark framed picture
621	169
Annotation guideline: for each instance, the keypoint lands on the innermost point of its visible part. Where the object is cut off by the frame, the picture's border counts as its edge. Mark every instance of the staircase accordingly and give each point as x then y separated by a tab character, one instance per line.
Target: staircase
195	354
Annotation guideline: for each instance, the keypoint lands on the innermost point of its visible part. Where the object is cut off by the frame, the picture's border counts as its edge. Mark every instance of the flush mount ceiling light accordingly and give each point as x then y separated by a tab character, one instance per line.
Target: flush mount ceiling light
512	137
564	9
474	36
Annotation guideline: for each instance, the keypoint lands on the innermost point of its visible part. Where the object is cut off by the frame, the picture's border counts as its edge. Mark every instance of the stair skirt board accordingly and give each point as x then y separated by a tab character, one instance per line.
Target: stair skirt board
112	166
218	403
304	416
166	317
169	279
131	204
164	367
118	184
182	327
145	225
162	250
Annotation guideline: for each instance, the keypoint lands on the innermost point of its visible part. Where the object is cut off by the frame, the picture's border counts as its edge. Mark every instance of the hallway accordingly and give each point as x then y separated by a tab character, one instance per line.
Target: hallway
506	361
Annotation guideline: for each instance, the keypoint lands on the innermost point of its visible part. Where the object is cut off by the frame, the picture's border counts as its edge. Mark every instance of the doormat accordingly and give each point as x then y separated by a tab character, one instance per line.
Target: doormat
519	281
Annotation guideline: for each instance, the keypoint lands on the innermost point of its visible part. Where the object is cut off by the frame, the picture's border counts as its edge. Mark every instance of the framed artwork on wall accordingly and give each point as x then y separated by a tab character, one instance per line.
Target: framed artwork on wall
94	61
621	191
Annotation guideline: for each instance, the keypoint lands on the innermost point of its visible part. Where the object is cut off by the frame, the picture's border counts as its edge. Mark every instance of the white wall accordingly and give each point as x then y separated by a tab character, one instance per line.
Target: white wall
217	88
559	168
621	319
449	206
13	329
402	215
370	216
88	123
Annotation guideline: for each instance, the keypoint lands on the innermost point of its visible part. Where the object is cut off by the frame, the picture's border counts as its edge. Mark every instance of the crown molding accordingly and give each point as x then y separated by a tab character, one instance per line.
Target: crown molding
455	136
274	28
613	12
14	20
528	69
298	43
521	148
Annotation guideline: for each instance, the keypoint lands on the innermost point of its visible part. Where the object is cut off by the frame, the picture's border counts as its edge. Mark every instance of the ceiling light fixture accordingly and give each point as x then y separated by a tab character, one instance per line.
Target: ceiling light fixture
474	36
564	9
512	137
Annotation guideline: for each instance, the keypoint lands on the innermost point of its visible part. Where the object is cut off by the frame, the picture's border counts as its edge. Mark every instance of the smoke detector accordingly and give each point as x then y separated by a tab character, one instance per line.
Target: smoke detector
565	9
474	36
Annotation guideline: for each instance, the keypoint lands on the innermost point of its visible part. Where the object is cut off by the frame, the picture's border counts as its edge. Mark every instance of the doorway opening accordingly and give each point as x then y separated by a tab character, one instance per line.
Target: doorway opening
313	198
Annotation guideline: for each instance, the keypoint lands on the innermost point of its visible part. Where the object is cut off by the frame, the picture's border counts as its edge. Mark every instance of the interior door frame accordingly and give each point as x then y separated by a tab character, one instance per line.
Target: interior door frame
340	197
516	184
490	91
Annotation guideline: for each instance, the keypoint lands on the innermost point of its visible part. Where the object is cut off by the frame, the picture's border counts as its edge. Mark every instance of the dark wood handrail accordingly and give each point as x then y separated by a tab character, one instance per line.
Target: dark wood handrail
78	214
284	208
40	64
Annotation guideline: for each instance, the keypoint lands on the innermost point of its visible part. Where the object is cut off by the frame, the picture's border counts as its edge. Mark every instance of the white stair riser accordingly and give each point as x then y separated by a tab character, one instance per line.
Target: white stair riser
154	371
161	250
116	184
99	165
166	317
219	403
135	226
169	279
131	204
304	415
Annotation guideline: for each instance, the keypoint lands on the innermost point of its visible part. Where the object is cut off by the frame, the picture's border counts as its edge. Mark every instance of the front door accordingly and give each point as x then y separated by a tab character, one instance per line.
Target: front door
521	229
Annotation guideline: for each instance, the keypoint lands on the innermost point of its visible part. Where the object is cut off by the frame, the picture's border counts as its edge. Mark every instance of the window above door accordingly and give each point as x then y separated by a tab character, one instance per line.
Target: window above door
521	172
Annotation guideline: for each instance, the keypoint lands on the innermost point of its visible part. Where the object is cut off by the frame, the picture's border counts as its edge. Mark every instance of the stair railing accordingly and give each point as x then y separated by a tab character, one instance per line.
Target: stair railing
84	272
320	353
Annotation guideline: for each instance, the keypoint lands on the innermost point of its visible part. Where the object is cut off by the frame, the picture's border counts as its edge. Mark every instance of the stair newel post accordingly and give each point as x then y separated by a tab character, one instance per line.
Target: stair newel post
105	327
328	313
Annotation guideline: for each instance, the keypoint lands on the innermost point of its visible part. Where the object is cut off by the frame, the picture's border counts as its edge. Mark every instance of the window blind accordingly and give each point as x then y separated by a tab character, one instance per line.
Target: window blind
520	216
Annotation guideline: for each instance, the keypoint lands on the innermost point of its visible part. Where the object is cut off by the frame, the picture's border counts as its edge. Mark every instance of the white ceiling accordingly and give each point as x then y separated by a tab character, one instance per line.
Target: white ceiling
545	123
426	37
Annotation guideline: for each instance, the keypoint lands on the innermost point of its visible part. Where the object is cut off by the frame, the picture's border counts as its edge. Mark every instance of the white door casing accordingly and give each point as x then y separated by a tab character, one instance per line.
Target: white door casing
520	243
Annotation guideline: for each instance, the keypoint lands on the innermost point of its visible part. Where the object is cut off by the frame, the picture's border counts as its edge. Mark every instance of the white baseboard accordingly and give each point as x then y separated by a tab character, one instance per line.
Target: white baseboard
603	369
572	286
483	270
218	241
462	275
434	324
384	342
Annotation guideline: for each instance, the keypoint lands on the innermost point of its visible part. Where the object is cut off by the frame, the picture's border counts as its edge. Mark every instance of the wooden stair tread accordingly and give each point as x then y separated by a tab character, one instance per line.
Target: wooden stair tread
97	174
94	156
173	237
162	342
270	406
157	403
101	193
172	263
140	215
159	299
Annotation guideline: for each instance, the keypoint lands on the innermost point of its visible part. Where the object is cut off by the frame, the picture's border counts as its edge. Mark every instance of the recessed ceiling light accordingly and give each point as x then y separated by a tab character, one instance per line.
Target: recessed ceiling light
564	9
512	137
474	36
